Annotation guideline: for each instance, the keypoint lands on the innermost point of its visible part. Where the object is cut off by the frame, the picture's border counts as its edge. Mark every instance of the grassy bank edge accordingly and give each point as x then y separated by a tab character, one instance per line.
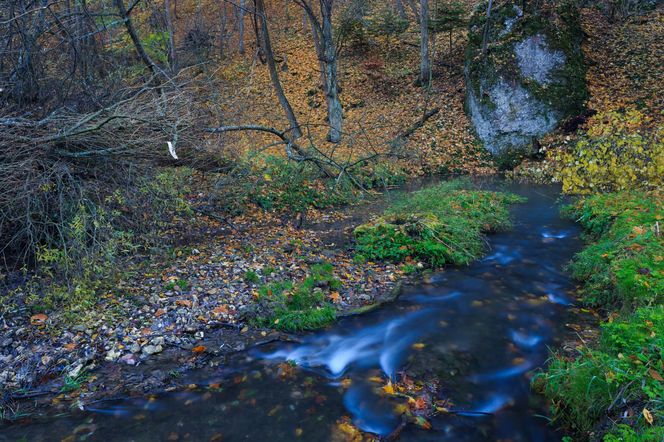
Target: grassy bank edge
613	389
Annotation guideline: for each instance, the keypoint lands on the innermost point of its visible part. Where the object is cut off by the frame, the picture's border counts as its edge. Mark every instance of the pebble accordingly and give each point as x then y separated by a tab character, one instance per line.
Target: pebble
129	359
152	349
113	354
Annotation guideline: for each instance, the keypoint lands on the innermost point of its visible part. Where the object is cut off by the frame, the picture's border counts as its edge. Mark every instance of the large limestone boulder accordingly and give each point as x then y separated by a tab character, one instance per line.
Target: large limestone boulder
531	79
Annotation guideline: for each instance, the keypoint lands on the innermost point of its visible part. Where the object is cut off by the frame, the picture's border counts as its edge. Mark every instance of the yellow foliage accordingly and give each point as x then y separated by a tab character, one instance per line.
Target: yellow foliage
616	154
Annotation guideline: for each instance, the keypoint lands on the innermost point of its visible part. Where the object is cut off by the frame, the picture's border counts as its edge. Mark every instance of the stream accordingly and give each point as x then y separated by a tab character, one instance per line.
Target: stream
477	332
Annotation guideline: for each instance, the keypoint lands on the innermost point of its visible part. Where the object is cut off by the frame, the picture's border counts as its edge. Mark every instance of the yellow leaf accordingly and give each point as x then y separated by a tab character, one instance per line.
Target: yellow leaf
648	416
389	388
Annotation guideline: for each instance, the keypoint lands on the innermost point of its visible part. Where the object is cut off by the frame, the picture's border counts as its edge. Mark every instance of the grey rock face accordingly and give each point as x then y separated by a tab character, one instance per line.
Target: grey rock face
525	85
513	120
536	61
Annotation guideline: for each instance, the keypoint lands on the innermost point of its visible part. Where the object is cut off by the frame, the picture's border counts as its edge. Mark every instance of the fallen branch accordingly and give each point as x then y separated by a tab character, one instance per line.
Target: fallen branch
290	144
419	123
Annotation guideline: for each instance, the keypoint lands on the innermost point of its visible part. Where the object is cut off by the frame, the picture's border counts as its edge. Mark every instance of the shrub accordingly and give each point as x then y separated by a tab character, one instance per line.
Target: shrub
439	225
351	26
387	23
619	152
293	186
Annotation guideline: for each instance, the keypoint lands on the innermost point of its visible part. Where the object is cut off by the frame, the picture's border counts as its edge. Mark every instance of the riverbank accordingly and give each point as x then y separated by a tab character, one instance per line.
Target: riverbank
250	284
202	292
451	356
611	388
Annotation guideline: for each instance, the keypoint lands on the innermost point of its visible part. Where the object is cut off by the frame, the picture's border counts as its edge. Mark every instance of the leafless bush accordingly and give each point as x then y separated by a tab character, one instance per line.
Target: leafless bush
52	168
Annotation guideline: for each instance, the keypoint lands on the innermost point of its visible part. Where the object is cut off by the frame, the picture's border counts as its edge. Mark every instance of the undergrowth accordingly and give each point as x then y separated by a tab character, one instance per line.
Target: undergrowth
620	151
92	233
442	224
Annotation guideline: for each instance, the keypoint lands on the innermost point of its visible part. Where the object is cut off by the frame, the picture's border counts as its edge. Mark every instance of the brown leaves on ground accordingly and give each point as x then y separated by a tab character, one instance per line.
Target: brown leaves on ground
379	99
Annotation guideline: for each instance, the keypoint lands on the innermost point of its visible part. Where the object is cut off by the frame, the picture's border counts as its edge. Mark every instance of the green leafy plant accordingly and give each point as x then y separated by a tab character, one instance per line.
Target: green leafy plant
618	153
302	306
251	277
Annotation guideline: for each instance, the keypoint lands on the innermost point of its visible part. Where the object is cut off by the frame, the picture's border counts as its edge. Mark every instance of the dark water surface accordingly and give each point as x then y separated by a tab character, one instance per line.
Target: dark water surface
484	327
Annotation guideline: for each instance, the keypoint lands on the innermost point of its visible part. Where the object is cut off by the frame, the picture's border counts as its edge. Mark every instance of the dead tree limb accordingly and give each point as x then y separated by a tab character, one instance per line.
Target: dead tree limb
291	146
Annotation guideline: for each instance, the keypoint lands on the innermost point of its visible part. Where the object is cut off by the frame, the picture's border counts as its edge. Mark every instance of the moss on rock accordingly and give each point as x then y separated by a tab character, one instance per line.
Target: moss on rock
531	78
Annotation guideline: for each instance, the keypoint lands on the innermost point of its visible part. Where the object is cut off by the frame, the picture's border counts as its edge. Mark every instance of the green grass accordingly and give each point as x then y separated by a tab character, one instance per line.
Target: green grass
251	276
303	306
623	369
621	271
73	383
442	224
624	266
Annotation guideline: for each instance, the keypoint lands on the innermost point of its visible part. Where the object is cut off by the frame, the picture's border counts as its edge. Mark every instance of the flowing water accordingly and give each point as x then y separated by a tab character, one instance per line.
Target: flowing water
476	331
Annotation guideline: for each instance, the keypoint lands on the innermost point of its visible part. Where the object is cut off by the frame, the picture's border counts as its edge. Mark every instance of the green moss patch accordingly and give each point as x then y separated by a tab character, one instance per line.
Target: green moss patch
296	307
443	224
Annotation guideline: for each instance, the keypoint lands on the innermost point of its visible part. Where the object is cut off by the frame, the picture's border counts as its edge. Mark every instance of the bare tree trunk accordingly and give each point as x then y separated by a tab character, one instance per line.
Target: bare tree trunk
240	19
172	61
223	22
135	38
274	75
320	55
485	37
334	109
425	62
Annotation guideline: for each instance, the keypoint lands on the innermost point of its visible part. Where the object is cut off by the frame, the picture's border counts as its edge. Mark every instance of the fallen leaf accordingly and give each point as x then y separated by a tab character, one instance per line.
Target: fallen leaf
39	319
655	375
422	423
420	403
199	349
648	416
